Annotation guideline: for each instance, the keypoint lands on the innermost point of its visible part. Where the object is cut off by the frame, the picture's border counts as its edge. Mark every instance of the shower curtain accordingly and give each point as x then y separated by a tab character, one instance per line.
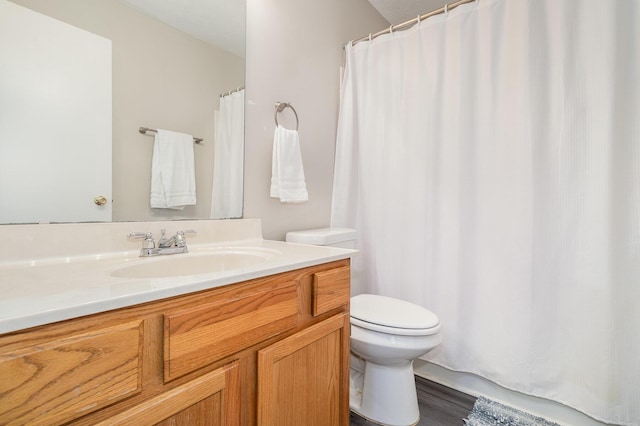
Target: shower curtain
228	162
489	159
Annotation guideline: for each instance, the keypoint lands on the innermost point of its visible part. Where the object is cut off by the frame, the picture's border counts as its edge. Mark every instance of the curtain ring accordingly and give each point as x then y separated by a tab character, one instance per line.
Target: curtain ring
369	36
446	8
391	29
419	17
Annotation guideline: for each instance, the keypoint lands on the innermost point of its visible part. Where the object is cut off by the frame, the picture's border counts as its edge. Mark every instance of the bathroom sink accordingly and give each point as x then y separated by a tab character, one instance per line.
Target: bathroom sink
192	264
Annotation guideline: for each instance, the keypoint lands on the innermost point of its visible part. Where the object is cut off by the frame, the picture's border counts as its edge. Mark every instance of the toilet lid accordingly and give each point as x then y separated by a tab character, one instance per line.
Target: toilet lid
390	312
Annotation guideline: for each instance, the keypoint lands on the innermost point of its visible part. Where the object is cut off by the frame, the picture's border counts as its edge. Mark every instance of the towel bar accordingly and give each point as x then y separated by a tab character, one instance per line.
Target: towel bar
280	106
144	131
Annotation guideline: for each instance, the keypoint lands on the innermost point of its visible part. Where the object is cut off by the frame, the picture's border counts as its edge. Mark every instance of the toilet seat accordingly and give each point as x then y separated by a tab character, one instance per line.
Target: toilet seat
392	316
394	330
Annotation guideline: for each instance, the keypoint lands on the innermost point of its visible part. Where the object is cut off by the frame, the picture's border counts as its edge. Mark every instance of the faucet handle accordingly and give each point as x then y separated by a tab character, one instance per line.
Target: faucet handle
180	239
147	236
163	238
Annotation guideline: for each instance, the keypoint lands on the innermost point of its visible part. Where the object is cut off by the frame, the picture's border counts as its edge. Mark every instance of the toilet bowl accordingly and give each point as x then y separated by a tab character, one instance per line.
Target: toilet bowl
387	334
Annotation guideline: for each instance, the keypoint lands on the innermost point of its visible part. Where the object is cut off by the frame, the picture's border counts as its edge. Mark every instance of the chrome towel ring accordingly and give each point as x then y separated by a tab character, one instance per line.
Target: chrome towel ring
280	106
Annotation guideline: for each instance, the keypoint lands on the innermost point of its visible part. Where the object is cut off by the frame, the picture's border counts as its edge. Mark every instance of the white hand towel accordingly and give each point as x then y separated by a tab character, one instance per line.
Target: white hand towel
287	173
173	178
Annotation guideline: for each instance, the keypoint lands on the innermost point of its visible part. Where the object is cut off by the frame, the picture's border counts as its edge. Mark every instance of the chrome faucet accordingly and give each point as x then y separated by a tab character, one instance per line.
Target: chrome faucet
174	245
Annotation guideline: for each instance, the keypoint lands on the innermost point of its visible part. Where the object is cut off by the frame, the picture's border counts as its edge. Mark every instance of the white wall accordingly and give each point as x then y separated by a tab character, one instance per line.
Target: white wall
294	54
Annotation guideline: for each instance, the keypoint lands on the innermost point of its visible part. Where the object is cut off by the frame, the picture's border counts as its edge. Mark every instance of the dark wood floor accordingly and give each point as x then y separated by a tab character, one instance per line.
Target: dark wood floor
439	405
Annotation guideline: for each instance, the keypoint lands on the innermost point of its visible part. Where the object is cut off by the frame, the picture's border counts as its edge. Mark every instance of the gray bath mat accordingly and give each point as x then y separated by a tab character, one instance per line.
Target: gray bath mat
490	413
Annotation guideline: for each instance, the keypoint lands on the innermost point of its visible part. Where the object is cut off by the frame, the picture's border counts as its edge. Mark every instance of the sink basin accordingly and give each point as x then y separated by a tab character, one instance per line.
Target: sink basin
192	264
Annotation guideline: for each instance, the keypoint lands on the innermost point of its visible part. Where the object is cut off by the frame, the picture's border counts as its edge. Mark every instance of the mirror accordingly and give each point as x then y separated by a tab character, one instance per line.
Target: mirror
161	77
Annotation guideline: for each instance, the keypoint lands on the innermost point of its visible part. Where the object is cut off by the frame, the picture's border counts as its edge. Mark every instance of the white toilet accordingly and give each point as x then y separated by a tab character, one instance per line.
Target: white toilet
387	334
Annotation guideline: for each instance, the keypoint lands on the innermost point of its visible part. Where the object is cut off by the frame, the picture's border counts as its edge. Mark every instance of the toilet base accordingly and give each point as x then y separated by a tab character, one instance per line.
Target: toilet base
388	394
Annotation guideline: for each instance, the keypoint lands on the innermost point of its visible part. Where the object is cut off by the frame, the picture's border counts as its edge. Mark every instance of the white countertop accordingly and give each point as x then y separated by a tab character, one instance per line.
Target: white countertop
37	292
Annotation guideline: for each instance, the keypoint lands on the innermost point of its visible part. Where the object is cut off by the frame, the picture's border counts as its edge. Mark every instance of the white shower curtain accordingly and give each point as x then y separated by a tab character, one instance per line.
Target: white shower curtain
228	167
489	159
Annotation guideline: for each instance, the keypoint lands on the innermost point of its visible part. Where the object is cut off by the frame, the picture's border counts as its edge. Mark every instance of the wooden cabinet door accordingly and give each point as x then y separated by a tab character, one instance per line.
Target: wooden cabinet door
50	377
210	400
304	379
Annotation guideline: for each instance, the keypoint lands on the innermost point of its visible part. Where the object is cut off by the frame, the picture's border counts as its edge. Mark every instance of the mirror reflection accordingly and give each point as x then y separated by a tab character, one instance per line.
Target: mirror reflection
114	67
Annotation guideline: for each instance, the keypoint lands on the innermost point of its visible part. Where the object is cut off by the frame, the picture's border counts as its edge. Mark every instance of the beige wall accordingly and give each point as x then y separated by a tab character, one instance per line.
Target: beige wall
294	54
161	78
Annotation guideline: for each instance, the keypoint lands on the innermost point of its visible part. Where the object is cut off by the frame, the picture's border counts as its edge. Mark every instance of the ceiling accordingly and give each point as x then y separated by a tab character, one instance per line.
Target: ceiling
218	22
222	22
398	11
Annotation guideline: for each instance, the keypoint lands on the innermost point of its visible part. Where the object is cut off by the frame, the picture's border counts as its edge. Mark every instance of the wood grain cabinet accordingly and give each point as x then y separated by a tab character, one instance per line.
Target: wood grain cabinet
303	379
212	399
270	351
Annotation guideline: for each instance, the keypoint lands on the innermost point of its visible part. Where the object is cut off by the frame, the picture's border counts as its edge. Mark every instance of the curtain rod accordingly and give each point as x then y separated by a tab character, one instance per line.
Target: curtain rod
222	95
408	24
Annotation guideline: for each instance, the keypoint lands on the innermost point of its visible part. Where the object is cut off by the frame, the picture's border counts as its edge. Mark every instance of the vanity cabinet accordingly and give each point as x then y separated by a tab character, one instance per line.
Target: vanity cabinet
269	351
302	378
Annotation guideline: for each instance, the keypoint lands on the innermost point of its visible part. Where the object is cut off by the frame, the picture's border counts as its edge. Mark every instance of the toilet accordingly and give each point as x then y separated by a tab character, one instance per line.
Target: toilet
387	334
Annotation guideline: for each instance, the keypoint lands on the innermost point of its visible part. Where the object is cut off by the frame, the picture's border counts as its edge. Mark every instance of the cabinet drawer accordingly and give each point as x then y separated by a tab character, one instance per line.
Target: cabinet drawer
198	336
211	399
331	289
52	381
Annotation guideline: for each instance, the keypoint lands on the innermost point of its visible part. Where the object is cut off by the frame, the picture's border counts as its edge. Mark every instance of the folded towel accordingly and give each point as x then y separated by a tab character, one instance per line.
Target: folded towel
173	178
287	173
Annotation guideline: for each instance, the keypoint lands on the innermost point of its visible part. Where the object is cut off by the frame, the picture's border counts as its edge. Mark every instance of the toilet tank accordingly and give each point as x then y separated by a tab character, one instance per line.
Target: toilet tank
332	237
